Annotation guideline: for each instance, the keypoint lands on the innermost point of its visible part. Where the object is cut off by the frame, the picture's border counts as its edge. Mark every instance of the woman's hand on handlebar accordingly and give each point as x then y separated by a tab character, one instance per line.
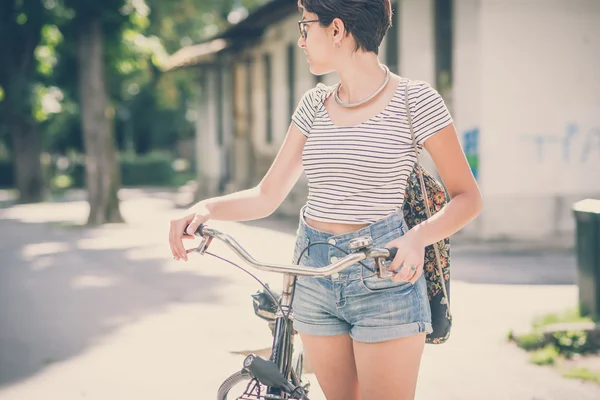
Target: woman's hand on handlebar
409	258
177	232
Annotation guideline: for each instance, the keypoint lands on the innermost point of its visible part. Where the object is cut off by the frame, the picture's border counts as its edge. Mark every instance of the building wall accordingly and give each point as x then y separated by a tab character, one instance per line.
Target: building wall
467	76
417	55
525	101
208	151
540	119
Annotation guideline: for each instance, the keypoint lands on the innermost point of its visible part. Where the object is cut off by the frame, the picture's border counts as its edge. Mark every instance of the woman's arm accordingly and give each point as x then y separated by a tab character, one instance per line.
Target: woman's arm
262	200
250	204
465	199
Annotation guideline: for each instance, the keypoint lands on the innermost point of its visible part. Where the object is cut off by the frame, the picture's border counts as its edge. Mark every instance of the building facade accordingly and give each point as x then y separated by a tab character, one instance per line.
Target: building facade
521	79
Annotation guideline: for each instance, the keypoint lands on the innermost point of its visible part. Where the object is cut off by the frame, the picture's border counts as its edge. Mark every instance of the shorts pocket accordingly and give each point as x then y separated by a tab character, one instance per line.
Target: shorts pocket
376	284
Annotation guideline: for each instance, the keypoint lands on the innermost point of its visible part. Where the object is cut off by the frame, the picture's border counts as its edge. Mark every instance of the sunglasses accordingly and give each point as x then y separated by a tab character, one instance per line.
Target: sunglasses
302	27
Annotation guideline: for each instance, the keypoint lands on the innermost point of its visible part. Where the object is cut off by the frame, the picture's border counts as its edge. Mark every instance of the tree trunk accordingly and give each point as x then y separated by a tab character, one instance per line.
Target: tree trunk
17	74
102	170
26	161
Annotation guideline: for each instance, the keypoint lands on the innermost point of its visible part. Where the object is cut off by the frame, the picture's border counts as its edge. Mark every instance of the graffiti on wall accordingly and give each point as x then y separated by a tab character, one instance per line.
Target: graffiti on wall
576	145
471	149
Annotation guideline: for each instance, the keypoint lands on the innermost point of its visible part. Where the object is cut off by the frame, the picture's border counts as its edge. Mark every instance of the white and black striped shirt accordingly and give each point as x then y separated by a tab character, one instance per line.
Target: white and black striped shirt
358	174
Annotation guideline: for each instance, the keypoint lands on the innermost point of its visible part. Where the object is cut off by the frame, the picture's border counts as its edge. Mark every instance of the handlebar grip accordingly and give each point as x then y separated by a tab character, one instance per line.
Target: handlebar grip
392	255
198	230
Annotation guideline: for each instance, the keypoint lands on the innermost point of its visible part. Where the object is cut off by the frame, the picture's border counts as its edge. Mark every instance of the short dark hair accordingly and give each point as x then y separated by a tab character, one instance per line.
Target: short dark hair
367	20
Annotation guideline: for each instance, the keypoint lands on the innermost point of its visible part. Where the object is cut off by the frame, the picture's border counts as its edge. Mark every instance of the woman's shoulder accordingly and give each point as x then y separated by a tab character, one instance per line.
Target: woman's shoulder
417	89
318	94
321	91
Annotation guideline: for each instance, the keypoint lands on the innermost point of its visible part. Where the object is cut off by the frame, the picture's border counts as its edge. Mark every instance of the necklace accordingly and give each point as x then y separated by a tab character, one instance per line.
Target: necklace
363	101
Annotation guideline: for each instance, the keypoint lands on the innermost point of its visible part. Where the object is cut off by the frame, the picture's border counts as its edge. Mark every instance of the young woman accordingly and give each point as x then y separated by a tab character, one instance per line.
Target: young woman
363	336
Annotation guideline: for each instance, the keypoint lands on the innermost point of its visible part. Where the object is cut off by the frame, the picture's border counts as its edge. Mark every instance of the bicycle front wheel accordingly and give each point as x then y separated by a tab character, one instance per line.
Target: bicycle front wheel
239	386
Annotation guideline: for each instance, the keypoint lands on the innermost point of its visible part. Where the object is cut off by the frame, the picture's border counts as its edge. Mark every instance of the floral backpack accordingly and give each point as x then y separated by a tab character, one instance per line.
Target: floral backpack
424	197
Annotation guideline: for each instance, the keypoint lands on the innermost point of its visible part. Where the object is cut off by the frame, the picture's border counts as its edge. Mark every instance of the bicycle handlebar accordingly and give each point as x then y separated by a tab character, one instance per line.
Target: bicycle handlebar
361	253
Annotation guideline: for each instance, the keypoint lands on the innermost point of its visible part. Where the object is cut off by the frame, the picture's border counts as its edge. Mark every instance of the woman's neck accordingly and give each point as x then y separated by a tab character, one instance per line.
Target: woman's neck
360	78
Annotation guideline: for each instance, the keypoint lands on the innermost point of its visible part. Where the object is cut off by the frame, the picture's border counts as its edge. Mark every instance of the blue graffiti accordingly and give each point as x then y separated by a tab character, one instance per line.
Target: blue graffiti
471	141
594	134
471	149
572	134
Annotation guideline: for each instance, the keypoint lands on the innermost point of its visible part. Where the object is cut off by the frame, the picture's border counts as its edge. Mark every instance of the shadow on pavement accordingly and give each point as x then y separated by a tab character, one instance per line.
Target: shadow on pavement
63	290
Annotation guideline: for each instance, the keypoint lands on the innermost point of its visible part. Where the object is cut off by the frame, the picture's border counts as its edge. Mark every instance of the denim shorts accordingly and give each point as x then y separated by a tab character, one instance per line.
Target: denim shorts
355	300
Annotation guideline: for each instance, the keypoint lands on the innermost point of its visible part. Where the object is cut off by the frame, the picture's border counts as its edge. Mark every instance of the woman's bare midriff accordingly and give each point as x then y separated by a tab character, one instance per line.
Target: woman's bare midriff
336	229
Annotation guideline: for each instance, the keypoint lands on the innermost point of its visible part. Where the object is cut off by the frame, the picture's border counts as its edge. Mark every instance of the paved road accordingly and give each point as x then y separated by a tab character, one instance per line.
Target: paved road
106	314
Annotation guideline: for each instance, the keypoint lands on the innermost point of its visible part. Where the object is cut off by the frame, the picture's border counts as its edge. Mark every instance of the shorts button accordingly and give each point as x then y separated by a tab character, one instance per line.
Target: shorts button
331	241
334	259
335	275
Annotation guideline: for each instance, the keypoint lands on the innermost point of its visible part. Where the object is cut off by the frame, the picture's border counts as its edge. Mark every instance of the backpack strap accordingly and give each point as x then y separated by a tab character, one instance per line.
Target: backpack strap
424	191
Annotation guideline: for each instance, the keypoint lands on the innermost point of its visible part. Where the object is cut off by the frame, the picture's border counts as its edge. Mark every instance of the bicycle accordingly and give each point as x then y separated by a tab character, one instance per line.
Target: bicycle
280	377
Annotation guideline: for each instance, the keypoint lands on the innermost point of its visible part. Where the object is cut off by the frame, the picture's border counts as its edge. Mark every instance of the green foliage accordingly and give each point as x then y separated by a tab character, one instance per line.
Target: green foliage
571	342
153	169
153	109
569	315
547	347
6	174
583	374
530	341
45	53
545	356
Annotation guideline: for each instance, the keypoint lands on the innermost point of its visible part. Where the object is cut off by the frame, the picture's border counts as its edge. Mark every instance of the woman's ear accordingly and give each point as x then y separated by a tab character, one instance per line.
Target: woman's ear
339	29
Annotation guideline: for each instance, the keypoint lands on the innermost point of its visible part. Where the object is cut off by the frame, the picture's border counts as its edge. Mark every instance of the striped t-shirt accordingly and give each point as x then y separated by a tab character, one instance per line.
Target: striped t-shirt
358	174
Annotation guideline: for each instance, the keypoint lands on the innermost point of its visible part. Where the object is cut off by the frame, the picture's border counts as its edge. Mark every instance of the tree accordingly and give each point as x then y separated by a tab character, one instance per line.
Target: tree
21	23
93	23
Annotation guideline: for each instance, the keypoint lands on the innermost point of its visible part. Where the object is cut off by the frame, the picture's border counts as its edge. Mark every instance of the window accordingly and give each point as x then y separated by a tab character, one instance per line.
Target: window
443	48
291	61
268	97
249	100
219	100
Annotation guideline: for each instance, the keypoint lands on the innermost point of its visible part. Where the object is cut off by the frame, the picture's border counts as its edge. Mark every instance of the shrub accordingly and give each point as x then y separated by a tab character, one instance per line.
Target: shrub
545	356
7	176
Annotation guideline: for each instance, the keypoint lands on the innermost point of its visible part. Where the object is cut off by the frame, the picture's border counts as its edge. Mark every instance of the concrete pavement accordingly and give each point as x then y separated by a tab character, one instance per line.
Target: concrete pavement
105	313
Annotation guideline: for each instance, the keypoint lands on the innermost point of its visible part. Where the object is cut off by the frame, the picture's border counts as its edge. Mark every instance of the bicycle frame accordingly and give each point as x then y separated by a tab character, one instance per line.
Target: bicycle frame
283	335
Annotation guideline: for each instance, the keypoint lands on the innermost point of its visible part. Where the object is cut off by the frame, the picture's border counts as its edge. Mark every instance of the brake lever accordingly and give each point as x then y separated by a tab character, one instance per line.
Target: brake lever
382	271
203	246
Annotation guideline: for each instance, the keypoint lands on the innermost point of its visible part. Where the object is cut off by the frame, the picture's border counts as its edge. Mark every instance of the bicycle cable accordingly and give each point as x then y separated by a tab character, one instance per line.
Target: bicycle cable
268	291
266	288
332	245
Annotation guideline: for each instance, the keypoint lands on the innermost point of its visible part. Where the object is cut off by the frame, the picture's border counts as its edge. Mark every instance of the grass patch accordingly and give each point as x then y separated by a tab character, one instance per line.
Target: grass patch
529	341
547	355
567	316
584	374
563	346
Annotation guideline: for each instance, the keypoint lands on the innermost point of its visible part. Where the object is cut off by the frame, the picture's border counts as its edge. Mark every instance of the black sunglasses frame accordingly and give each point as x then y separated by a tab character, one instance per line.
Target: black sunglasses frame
302	27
